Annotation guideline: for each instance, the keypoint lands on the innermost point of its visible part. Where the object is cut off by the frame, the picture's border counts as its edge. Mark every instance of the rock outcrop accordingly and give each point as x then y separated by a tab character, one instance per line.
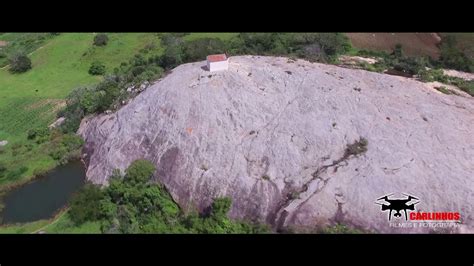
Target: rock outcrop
271	133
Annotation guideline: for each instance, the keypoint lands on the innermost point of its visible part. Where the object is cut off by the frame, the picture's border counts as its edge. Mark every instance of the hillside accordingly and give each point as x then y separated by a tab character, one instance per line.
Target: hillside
60	64
294	144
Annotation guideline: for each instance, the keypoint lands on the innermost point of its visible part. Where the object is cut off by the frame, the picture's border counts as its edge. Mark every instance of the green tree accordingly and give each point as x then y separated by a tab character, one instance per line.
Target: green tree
110	92
90	101
139	171
86	204
131	204
172	57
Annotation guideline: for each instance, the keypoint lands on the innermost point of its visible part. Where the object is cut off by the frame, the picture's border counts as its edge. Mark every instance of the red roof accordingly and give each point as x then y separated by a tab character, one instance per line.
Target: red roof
216	57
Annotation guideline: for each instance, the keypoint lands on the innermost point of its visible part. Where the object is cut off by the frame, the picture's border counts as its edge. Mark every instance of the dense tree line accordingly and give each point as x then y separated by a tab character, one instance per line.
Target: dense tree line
133	204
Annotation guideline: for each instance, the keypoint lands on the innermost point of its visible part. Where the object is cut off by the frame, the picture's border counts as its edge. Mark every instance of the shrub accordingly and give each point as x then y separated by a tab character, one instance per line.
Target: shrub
409	65
40	134
72	142
19	63
398	51
220	207
64	147
356	148
432	75
138	70
97	68
172	57
101	39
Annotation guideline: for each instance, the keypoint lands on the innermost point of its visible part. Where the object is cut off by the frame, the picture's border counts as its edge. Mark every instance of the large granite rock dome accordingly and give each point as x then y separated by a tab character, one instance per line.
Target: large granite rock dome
271	133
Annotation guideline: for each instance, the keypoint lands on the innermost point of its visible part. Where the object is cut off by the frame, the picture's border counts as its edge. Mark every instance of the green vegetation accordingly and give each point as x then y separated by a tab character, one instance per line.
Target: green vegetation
24	43
322	47
429	75
438	75
86	204
356	148
26	228
32	99
452	57
64	225
61	223
132	204
55	146
443	90
64	147
39	135
19	63
396	60
340	229
97	68
59	84
66	79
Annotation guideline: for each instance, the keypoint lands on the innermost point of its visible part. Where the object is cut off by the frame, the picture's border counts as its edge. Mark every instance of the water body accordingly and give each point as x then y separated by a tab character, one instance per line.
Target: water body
43	197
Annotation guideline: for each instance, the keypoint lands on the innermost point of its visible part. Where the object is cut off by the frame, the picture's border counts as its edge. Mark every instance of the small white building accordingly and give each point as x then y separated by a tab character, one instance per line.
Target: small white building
217	62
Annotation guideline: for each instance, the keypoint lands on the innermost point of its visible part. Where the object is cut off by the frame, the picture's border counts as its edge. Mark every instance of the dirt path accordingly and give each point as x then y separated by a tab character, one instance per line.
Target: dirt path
55	220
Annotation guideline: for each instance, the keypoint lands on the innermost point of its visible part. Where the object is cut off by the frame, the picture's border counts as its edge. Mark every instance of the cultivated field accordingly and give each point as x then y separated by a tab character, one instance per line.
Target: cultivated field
59	64
412	43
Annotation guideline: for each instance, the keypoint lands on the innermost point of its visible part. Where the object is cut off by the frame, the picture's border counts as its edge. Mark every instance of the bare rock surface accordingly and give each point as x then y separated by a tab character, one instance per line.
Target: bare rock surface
271	133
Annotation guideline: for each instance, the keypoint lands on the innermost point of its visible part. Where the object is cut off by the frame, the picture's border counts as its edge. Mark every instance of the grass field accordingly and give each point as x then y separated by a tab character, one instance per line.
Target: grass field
31	99
61	223
220	35
11	43
60	64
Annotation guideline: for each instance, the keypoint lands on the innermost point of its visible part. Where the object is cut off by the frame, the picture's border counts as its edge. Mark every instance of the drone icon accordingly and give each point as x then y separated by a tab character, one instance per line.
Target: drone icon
398	205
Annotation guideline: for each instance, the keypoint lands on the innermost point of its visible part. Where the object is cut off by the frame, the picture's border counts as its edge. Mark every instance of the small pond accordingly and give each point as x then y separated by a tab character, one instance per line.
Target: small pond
43	197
